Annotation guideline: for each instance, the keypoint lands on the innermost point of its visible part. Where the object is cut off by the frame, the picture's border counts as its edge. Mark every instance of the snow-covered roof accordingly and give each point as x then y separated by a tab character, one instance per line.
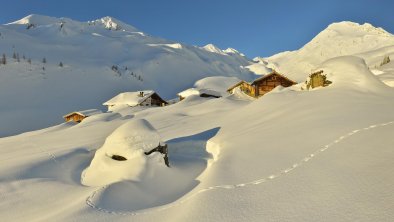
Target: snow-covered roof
270	74
189	92
259	79
129	98
194	91
210	92
236	85
85	113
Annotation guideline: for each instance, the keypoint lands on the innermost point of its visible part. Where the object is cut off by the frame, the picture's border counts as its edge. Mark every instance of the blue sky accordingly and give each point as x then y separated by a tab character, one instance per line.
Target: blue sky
256	28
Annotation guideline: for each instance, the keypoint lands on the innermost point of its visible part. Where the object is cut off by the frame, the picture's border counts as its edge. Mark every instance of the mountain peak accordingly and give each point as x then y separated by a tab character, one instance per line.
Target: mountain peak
107	22
233	51
213	48
356	29
115	24
229	51
36	19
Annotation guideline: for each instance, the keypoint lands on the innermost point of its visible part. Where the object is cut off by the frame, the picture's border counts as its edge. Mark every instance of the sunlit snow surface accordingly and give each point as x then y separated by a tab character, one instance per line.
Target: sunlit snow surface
291	155
101	59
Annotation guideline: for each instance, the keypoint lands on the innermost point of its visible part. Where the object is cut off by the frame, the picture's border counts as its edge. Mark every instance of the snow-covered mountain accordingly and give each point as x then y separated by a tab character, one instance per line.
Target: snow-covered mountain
290	155
98	59
338	39
82	64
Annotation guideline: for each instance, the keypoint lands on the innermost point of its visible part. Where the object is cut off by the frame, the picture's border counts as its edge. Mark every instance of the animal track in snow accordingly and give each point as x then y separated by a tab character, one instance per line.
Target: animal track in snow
89	200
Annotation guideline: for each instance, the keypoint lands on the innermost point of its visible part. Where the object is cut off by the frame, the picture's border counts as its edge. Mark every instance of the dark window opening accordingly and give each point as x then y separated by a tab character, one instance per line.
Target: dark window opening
118	158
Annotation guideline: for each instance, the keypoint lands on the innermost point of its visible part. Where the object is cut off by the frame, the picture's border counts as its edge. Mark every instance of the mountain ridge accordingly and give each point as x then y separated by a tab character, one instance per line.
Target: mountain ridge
337	39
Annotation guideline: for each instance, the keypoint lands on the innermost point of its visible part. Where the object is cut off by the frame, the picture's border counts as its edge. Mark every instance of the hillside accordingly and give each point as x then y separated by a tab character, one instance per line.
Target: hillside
291	155
338	39
100	59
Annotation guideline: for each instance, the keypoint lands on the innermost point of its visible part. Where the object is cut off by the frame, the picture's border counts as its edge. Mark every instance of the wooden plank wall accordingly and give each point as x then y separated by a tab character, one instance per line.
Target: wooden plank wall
270	83
248	89
75	117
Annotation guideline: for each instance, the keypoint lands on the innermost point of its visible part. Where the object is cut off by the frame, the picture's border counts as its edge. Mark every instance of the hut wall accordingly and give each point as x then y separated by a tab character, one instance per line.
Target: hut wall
147	102
156	102
153	101
74	117
317	80
248	89
268	84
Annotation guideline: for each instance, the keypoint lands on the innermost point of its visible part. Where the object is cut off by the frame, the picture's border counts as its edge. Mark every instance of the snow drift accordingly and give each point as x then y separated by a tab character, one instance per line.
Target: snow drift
129	141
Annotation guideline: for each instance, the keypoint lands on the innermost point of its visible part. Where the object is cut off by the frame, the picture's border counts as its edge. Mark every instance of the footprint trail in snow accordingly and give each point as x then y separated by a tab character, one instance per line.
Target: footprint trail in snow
89	200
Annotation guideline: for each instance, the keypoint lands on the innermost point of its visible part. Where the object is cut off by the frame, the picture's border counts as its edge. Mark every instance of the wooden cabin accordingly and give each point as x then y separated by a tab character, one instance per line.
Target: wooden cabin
245	87
153	100
140	98
263	85
268	82
78	116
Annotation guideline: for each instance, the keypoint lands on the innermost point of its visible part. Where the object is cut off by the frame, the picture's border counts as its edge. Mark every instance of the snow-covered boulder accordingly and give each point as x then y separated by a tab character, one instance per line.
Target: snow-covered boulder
122	155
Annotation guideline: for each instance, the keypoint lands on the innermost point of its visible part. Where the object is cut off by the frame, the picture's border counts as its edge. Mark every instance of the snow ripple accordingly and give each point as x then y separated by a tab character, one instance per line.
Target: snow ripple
89	200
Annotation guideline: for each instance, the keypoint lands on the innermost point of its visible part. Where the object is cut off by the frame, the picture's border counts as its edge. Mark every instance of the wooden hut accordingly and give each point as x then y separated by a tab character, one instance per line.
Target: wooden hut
263	85
245	87
317	79
140	98
268	82
78	116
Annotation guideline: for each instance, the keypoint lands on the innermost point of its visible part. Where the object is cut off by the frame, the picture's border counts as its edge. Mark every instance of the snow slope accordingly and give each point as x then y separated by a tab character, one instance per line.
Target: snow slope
338	39
100	58
291	155
386	73
104	57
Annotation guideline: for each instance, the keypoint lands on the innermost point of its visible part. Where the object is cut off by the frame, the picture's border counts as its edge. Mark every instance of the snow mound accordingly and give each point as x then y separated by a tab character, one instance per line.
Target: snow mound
129	141
351	71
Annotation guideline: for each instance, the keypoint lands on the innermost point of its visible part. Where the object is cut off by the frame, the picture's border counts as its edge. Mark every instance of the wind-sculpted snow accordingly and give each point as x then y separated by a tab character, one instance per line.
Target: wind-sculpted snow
188	159
129	141
351	71
243	185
